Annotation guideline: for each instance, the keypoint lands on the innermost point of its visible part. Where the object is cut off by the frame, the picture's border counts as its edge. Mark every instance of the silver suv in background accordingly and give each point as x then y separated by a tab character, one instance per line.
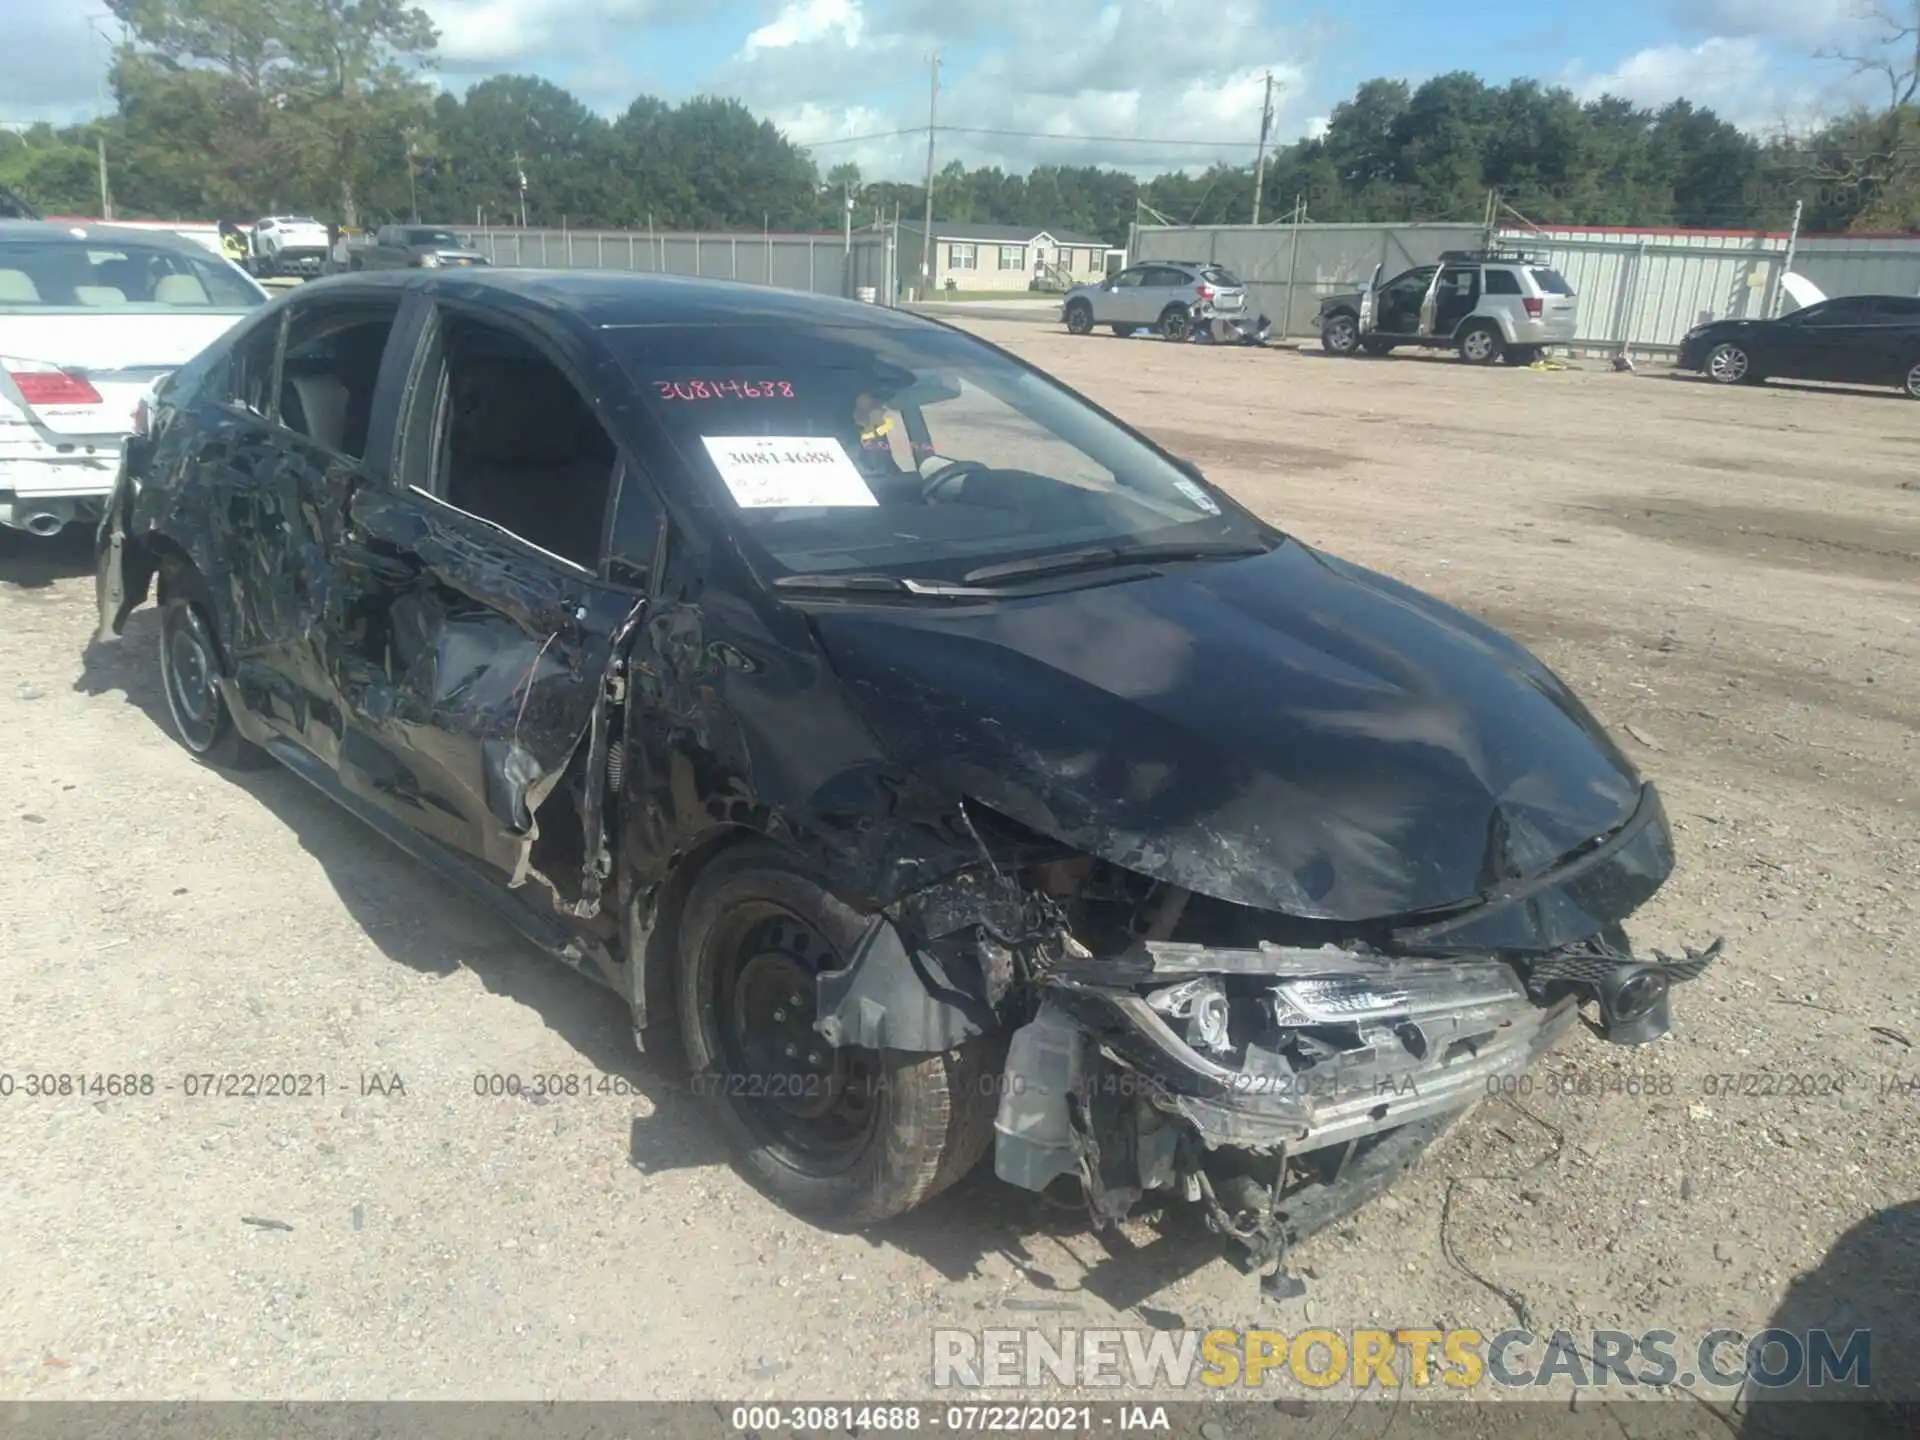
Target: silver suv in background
1174	297
1484	303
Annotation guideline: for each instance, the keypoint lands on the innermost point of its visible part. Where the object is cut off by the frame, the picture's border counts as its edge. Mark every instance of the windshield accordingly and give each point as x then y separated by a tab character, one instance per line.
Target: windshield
433	237
917	453
55	273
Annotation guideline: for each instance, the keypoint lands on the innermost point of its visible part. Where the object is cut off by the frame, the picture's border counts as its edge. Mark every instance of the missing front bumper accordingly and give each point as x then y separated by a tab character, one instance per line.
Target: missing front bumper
1181	1051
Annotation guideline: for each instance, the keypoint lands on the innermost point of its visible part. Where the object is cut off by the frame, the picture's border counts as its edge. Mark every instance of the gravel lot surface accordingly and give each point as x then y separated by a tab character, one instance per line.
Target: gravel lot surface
1730	578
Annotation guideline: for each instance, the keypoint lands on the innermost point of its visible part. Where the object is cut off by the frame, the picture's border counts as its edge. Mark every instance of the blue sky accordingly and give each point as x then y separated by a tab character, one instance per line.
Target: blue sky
1180	80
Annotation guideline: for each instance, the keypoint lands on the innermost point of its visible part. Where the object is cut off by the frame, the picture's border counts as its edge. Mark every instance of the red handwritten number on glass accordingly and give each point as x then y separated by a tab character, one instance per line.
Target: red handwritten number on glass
724	389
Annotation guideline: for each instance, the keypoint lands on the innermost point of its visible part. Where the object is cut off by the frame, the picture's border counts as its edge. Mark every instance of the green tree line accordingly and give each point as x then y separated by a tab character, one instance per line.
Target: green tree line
246	107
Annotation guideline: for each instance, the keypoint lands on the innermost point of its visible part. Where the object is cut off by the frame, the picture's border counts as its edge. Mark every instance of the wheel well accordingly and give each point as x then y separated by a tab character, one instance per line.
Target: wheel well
663	908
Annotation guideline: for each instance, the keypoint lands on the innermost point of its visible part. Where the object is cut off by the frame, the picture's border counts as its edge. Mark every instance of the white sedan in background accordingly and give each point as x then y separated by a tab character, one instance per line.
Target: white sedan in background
92	317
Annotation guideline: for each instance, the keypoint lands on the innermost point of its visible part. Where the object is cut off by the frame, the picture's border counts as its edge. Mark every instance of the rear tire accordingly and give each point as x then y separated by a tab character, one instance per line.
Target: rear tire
1079	318
1912	385
191	661
844	1137
1175	323
1340	334
1730	364
1481	345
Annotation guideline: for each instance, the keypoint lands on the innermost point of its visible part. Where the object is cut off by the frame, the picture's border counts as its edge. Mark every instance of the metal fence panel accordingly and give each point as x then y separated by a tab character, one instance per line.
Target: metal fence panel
823	264
1289	269
1639	289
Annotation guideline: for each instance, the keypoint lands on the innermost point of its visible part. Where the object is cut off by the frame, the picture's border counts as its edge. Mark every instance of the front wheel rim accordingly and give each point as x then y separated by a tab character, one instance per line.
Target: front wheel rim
1079	319
186	654
1913	382
817	1105
1728	363
1340	335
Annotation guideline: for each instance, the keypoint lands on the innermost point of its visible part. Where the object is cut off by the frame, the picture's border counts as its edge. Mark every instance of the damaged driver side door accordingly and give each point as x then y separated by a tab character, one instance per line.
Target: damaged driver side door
474	626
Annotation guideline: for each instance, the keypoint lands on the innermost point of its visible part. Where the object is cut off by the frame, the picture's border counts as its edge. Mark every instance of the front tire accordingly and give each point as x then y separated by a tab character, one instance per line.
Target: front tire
1730	364
190	665
1481	345
1079	318
1340	335
1912	385
845	1137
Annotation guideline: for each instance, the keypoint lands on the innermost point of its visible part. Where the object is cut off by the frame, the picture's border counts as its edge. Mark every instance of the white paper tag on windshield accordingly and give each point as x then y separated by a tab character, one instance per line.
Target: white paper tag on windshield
766	472
1199	497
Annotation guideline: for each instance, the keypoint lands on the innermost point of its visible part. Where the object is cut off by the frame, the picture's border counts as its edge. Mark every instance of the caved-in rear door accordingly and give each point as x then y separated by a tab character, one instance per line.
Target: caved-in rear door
470	664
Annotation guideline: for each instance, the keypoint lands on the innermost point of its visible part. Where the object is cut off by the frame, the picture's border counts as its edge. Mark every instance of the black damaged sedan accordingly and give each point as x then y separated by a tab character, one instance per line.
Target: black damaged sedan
932	761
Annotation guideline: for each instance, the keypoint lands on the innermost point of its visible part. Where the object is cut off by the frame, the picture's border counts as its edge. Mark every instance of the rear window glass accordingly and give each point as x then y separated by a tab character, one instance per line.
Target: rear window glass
76	274
1551	281
1219	275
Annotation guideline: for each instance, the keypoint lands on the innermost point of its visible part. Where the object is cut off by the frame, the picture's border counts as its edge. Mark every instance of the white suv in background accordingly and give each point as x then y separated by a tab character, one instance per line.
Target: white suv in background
1484	303
92	317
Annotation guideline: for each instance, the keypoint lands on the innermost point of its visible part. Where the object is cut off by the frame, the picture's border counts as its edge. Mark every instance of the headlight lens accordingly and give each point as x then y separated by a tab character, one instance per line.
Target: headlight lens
429	261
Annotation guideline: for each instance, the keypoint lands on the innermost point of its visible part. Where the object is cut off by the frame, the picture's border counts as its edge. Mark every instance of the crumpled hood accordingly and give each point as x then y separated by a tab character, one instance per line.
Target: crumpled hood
1289	732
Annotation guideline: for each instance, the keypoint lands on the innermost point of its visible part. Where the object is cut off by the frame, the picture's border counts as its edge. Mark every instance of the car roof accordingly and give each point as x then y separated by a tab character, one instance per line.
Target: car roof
602	298
84	230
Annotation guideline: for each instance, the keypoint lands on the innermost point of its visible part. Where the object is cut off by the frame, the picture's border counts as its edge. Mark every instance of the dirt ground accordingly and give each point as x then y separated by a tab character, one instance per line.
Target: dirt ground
1730	578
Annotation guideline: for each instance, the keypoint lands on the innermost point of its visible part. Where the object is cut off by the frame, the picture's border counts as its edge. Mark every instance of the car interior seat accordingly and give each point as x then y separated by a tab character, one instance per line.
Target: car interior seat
181	290
316	406
17	288
528	454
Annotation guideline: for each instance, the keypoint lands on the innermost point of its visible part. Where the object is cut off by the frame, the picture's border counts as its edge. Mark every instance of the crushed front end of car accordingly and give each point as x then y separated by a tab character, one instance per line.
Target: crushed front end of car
1174	1047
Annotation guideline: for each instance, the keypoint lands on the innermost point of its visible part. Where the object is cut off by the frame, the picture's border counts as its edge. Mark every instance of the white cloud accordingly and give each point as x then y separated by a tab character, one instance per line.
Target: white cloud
56	61
480	36
1811	22
805	21
1734	76
1070	70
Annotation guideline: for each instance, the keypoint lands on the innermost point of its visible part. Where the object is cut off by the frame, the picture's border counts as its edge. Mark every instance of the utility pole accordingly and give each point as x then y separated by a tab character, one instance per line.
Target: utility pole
1493	220
926	236
520	173
1260	156
100	123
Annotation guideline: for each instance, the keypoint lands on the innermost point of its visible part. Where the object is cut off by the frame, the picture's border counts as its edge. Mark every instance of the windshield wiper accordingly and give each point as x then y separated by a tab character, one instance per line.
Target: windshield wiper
874	583
1106	555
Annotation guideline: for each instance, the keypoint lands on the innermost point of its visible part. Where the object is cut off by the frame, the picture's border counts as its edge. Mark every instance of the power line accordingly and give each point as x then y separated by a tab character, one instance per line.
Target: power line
857	139
1023	135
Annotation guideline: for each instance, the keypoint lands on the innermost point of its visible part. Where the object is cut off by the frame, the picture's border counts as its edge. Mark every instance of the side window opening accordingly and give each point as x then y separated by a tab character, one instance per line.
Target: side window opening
327	378
519	445
249	369
1502	282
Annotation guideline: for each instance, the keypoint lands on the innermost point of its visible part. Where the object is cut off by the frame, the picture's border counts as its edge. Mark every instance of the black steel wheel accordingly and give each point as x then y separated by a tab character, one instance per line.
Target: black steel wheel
190	669
845	1136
